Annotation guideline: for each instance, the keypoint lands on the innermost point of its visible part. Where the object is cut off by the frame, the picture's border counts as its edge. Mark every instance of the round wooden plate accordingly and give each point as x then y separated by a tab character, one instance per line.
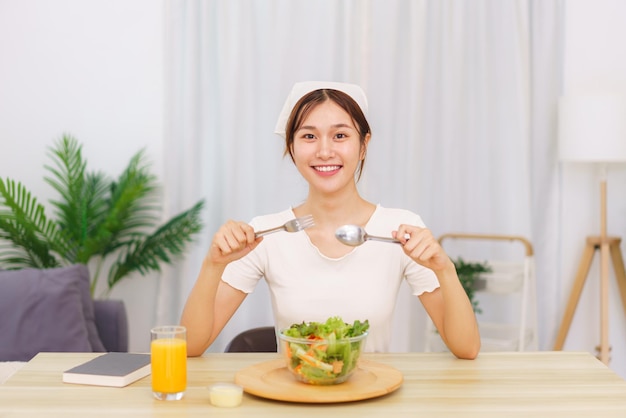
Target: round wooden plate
272	380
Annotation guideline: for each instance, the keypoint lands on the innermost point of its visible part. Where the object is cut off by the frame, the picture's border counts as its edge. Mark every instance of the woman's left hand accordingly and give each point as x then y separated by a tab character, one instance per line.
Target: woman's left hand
420	244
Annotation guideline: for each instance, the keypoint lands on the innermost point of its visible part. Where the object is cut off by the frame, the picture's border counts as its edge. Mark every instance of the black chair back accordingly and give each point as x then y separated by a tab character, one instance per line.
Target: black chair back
255	340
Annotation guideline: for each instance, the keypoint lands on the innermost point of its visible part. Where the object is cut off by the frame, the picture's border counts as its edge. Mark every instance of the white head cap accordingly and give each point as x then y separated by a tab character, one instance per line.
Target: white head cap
301	89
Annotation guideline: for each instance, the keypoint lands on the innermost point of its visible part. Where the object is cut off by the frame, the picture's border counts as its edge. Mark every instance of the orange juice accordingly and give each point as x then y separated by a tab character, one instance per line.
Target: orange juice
169	365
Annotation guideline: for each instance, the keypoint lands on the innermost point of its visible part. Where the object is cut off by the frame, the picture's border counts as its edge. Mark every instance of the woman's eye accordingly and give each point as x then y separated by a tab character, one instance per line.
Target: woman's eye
308	136
341	136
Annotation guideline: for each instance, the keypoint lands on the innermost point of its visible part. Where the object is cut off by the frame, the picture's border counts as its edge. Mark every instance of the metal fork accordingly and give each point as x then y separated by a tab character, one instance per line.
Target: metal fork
294	225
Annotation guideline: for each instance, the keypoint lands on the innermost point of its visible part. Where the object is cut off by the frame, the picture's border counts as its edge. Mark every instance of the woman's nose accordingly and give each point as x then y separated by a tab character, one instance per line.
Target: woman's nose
325	148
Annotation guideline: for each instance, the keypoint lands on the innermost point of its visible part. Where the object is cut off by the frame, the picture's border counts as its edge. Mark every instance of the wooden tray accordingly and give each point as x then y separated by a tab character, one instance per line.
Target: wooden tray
272	380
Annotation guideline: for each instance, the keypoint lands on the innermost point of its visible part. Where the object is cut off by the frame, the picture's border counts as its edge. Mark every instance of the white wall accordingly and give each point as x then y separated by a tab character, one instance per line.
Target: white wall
595	59
93	69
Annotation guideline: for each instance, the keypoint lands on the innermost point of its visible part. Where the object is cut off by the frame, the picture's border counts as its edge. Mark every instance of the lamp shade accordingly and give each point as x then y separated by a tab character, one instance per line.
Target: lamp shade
592	128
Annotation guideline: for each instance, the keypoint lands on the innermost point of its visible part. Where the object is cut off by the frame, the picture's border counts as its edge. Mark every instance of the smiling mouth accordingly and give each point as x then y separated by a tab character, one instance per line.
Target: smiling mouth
327	168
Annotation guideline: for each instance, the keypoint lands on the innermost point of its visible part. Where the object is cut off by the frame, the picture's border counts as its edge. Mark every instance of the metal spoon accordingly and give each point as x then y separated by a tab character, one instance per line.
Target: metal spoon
355	235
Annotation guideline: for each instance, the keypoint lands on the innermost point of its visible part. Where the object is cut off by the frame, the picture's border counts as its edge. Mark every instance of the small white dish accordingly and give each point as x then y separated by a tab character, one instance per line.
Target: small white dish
225	395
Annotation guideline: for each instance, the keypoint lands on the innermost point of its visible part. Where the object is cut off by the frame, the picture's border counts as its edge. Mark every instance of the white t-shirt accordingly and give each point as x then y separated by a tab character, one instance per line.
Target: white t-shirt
307	286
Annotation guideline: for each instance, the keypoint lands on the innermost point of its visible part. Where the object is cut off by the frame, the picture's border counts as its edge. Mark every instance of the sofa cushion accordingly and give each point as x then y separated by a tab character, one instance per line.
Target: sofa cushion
44	310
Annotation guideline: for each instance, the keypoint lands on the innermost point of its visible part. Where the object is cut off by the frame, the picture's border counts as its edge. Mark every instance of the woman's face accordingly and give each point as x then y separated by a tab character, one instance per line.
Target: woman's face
327	148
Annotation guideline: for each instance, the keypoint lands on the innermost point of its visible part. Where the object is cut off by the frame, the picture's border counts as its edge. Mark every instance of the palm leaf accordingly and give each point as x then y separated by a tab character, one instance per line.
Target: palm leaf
163	245
14	259
134	195
131	208
82	194
24	223
93	209
68	178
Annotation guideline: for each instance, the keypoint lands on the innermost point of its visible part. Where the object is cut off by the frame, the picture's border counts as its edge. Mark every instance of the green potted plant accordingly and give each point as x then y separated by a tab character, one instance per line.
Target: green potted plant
110	222
469	275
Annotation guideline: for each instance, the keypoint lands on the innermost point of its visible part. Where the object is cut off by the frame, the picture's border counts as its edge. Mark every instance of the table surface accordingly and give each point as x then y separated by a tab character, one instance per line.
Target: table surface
534	384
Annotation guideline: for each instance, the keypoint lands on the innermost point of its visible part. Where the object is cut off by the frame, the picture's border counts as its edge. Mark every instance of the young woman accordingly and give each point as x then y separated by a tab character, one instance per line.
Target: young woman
311	275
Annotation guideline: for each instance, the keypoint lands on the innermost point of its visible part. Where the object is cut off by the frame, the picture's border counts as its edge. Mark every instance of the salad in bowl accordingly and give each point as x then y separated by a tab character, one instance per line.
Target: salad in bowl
323	353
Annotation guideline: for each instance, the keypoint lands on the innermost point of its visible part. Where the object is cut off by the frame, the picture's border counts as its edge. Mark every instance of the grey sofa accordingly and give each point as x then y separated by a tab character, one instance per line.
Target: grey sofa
112	324
52	310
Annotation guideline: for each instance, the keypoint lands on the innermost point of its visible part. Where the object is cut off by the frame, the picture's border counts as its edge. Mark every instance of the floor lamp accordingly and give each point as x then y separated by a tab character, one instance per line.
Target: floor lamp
592	129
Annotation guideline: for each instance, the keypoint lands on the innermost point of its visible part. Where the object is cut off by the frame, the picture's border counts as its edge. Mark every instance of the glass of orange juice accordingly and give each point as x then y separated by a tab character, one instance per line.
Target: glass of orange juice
168	354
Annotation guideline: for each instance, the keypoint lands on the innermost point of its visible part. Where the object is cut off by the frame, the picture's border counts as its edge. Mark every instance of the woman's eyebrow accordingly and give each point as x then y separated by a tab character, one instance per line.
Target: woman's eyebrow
335	126
342	125
338	125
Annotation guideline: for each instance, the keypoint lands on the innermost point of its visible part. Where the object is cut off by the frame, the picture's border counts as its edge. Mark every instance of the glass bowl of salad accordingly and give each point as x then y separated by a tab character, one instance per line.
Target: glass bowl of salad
323	353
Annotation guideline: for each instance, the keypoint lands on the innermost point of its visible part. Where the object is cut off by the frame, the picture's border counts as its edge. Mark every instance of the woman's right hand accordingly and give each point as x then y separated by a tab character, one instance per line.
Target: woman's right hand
231	242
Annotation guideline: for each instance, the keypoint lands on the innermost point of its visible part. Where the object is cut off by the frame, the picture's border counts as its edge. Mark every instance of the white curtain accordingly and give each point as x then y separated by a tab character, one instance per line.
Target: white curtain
461	99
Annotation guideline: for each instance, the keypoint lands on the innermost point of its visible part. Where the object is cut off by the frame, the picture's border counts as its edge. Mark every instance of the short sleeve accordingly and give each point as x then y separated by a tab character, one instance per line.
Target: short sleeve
419	278
244	274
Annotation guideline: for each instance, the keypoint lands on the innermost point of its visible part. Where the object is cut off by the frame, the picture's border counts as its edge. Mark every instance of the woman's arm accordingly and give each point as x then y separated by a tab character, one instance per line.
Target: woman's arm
209	307
213	302
449	307
453	316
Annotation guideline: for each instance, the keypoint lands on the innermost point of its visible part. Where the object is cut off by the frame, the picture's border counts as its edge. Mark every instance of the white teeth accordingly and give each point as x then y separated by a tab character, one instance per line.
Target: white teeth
328	168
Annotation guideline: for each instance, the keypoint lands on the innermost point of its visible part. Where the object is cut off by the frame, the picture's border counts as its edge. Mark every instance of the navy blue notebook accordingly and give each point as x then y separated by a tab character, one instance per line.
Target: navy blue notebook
110	369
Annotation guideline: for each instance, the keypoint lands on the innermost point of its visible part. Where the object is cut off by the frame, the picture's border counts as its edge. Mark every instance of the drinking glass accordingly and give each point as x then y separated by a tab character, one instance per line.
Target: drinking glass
168	353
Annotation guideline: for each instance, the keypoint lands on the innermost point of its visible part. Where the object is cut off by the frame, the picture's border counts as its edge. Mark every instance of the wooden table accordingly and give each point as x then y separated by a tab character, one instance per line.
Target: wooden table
534	384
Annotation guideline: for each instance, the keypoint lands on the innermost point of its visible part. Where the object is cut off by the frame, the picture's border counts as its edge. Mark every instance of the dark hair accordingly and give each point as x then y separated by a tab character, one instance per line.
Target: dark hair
309	101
